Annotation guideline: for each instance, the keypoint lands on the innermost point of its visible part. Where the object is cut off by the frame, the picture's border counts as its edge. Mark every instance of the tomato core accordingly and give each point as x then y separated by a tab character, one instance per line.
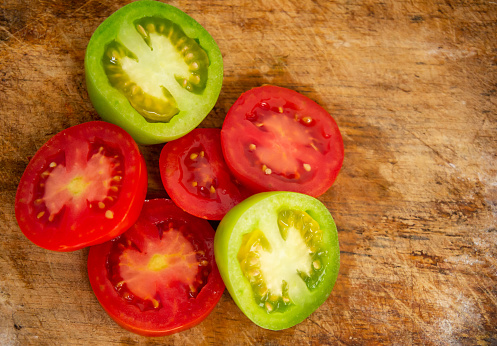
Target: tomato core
92	180
277	266
143	274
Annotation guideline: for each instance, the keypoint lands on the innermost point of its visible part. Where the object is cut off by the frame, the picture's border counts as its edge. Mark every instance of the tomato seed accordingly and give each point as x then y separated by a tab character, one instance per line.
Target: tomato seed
53	164
307	120
193	156
268	306
101	205
141	30
307	167
109	214
40	214
252	147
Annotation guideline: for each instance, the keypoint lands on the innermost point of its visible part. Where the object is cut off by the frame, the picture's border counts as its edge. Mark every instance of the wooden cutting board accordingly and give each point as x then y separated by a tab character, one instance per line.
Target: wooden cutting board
413	87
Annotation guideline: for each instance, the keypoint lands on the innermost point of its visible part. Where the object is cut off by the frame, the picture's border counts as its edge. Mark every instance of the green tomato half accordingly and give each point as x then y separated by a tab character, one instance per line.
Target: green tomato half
279	257
153	70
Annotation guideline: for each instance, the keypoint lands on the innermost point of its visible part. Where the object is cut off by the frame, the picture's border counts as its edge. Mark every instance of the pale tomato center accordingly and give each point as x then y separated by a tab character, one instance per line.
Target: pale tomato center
159	264
81	184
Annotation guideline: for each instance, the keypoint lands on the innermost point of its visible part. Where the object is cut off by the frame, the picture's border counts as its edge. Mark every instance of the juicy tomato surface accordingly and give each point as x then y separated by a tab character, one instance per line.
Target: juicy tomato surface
159	277
85	186
153	70
196	176
279	257
274	138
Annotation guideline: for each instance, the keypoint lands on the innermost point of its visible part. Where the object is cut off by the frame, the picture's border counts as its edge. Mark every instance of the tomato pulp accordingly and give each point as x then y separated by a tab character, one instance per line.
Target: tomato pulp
86	185
159	277
274	139
196	176
153	70
279	257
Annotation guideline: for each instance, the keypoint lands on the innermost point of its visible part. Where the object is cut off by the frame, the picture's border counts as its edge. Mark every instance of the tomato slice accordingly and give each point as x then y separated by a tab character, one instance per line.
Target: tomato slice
274	138
86	185
279	257
153	70
159	277
196	176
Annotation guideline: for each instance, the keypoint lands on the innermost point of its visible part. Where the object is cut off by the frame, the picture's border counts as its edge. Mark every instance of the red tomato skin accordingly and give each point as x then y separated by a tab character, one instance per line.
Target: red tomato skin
88	229
150	323
235	129
173	174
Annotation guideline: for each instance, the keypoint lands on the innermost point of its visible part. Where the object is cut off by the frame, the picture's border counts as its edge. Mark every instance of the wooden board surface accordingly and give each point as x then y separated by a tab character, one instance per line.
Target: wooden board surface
413	87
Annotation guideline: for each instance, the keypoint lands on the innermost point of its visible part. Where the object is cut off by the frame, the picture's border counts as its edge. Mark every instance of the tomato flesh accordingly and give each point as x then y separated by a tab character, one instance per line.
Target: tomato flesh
278	255
277	139
196	176
159	277
86	185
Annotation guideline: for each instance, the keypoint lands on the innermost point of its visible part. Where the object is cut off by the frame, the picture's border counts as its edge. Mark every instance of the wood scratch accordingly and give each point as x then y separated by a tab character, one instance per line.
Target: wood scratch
437	153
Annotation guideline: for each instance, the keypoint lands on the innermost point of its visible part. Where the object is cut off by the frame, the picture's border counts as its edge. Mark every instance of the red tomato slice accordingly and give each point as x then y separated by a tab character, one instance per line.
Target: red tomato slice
159	277
85	186
196	176
275	139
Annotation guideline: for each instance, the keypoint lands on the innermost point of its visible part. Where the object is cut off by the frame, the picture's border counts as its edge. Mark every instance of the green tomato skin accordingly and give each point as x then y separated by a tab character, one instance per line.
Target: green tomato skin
255	211
114	107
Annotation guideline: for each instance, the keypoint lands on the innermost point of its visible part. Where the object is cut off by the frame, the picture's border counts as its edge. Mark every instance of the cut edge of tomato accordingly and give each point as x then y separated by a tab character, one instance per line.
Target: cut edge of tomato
211	292
25	196
235	281
113	107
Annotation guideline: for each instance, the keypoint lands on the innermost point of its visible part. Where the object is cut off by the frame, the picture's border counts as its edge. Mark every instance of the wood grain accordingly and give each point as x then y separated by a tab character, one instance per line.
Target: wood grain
412	85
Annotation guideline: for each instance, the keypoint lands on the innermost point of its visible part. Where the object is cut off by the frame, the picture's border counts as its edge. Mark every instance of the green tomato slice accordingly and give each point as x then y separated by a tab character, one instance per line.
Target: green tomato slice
153	70
279	257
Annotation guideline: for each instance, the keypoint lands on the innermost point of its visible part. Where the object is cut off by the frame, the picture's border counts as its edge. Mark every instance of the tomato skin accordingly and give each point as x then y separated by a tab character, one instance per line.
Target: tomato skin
179	313
78	229
304	134
259	212
179	171
114	107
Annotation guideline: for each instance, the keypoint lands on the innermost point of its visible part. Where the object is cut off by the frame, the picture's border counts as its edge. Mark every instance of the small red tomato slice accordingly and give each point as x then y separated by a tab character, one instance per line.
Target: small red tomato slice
85	186
159	277
274	138
196	176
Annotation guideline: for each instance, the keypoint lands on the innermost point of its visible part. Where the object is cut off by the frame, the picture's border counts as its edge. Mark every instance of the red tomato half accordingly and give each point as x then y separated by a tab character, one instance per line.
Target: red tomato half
85	186
159	277
274	138
196	176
